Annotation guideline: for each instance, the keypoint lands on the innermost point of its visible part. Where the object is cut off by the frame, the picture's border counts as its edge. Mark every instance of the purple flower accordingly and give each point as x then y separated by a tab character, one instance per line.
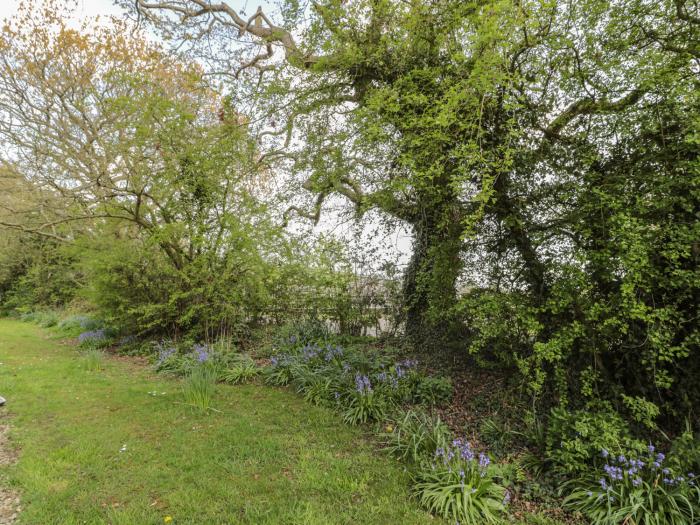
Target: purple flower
660	457
202	354
164	354
604	453
637	481
603	484
506	497
274	361
92	335
651	448
362	384
484	461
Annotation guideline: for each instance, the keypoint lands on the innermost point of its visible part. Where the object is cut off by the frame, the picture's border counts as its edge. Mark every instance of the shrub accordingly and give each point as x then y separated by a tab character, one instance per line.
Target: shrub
200	386
240	372
415	436
457	485
574	439
685	451
632	490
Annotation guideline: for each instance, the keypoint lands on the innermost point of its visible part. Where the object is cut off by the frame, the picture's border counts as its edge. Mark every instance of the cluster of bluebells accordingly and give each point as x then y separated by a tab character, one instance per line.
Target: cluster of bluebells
404	366
310	352
332	352
92	335
621	469
362	384
460	452
201	352
165	353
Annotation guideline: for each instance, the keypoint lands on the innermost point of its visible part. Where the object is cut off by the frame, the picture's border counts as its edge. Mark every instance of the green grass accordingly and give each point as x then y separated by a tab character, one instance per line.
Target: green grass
264	457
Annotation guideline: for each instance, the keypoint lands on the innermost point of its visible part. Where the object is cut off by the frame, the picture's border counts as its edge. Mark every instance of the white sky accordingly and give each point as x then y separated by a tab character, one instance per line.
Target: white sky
86	8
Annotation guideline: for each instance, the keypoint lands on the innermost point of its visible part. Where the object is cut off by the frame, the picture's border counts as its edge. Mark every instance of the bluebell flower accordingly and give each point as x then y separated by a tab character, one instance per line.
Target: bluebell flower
165	353
637	481
202	353
92	335
362	384
651	448
484	461
604	453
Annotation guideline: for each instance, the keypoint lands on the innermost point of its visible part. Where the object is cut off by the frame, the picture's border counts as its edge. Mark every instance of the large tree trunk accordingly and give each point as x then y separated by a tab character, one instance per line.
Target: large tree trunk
430	280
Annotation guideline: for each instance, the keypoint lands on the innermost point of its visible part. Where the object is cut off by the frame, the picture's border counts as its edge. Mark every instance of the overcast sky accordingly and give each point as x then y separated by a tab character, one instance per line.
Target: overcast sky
85	8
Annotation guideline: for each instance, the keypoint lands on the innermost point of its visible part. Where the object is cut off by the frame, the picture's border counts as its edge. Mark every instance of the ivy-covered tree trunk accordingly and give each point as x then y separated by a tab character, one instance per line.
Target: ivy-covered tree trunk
430	279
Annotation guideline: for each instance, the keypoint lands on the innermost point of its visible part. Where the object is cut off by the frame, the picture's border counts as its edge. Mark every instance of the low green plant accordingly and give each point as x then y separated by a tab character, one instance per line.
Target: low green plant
199	387
432	391
497	435
77	323
93	359
414	436
457	485
44	318
636	491
280	372
364	405
242	371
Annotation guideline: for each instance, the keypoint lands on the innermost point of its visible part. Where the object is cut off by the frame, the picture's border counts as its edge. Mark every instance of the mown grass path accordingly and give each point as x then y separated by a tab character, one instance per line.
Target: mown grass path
267	457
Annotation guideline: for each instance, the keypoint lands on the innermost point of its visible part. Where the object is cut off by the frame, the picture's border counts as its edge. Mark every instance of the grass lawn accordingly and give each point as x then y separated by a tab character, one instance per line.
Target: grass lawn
266	457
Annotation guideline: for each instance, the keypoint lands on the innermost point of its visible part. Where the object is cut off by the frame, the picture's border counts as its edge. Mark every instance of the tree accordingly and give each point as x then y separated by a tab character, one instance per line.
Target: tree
433	111
110	134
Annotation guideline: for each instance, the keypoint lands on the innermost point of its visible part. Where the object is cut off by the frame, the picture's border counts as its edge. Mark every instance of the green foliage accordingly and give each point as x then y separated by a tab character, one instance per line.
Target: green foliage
242	371
414	436
636	491
92	359
363	384
434	391
684	455
362	407
496	434
45	319
575	438
199	387
458	486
